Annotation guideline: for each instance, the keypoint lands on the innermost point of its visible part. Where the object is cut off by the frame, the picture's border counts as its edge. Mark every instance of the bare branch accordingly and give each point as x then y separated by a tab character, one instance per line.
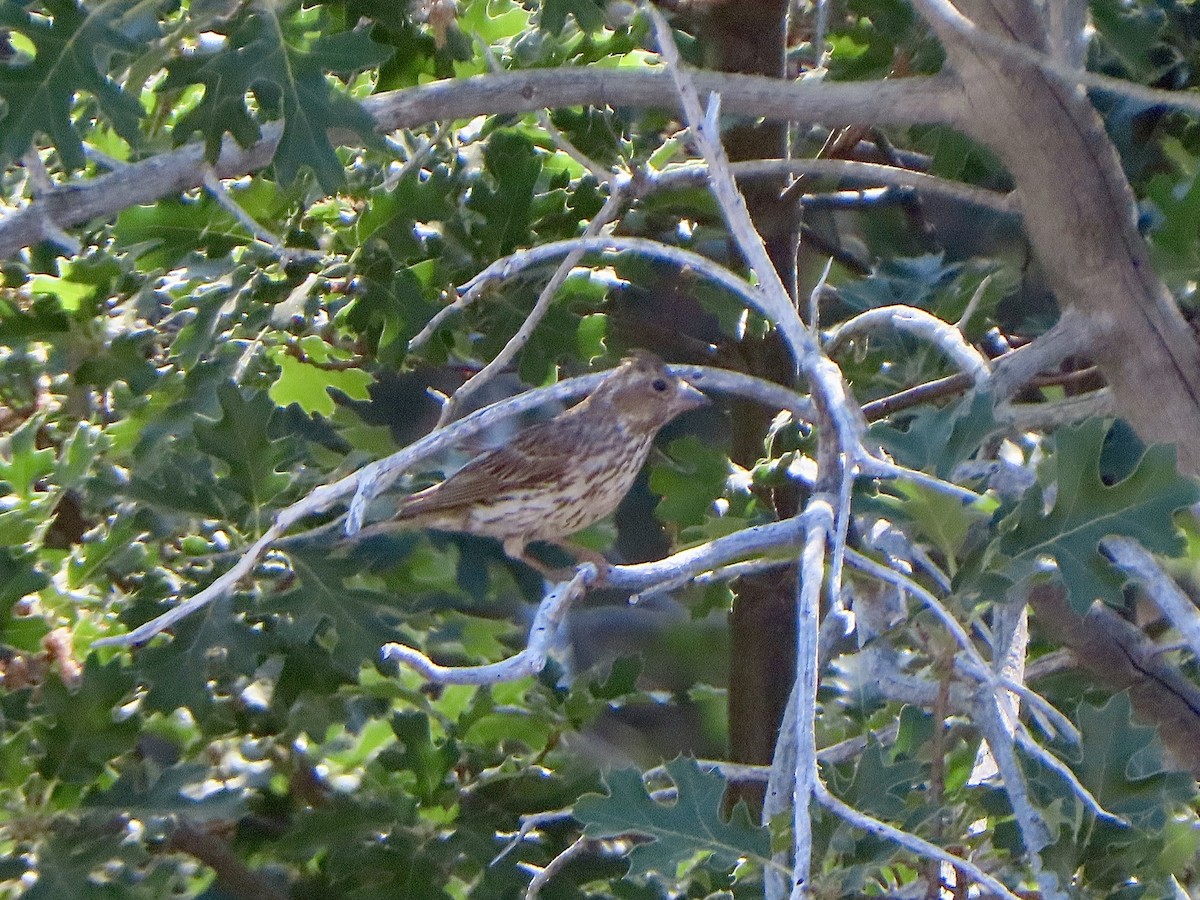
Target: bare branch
944	336
509	351
909	841
1136	561
1045	416
551	612
1035	834
1071	334
179	171
820	524
509	266
552	868
691	174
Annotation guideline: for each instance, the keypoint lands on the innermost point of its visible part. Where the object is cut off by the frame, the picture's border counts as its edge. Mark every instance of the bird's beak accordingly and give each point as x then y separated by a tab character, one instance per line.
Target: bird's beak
687	397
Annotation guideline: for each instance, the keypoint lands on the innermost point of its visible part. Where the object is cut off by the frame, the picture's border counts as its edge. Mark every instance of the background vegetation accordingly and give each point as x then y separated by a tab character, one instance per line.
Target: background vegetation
227	230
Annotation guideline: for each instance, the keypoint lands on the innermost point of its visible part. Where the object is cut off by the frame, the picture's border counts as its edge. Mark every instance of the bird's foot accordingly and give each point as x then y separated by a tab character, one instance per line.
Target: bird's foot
585	557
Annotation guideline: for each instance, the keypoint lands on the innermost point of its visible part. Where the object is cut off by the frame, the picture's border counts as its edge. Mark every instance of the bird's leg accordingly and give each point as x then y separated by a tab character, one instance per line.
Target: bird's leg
515	548
581	554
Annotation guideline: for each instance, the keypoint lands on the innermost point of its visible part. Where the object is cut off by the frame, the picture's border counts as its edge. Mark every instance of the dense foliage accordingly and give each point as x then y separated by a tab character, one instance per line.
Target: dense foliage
176	372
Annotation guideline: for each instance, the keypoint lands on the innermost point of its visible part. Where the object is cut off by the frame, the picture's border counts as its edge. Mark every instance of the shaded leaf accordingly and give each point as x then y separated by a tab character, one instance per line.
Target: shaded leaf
39	94
513	167
1086	510
286	80
678	831
936	440
85	734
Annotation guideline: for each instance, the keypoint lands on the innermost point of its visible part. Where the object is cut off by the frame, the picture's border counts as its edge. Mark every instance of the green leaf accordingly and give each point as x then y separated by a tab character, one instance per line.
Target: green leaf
936	440
86	734
588	13
210	651
22	463
513	166
677	831
1086	510
914	281
621	681
284	79
878	786
943	520
352	622
416	752
365	851
1123	765
143	791
241	440
1133	33
688	484
162	234
46	319
74	850
19	577
40	93
309	386
70	294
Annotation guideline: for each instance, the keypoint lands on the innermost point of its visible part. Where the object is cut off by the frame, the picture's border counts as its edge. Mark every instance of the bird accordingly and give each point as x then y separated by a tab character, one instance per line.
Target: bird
560	476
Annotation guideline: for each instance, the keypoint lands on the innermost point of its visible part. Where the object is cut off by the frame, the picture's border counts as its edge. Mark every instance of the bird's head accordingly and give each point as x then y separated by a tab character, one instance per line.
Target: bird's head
644	395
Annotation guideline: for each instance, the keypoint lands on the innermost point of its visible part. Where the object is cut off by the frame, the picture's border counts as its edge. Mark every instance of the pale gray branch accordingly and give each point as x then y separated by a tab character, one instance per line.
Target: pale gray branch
531	660
509	266
1071	334
909	841
864	173
1136	562
612	206
918	322
820	524
902	101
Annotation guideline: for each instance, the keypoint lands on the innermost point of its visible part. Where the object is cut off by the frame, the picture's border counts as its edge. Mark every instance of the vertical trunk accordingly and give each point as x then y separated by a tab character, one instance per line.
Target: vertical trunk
751	37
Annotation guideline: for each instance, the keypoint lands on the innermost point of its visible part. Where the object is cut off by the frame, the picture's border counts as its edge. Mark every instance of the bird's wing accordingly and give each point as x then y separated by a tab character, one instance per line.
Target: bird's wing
537	455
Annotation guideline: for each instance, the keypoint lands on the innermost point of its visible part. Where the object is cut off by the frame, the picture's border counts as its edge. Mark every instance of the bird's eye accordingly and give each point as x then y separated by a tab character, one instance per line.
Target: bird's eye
659	384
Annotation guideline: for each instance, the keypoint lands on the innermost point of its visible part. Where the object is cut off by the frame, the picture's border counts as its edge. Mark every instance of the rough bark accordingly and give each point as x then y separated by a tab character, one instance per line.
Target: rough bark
1079	215
762	622
1080	218
1119	656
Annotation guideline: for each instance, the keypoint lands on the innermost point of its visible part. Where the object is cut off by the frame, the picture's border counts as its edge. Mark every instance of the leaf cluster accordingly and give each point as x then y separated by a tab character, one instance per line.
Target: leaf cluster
208	359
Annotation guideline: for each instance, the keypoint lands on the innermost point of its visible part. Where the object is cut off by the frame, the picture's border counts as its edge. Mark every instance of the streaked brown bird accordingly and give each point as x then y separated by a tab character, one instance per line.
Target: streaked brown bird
558	477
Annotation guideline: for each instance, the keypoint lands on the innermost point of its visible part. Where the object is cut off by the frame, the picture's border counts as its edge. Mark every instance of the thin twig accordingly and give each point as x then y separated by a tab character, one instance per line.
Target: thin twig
509	351
973	303
946	337
911	842
418	156
225	200
530	661
870	174
507	267
552	868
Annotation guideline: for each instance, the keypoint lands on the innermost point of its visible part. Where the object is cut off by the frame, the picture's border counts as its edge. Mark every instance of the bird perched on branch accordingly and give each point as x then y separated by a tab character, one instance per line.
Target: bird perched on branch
558	477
